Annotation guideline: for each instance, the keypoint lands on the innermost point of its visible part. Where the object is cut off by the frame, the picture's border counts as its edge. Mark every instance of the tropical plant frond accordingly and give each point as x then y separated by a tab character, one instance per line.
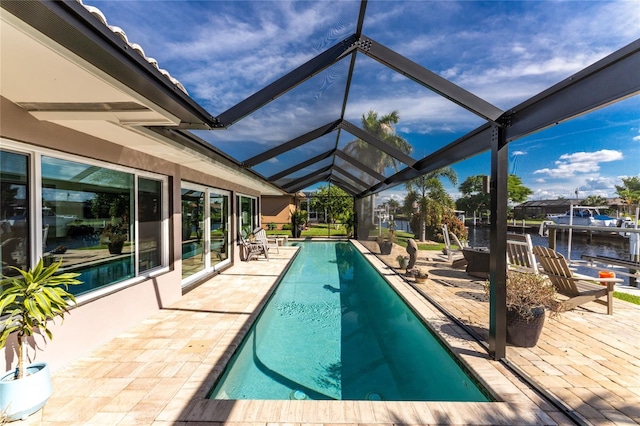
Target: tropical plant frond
31	300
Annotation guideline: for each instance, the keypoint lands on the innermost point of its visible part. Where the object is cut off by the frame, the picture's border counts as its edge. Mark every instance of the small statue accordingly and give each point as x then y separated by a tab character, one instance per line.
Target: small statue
412	249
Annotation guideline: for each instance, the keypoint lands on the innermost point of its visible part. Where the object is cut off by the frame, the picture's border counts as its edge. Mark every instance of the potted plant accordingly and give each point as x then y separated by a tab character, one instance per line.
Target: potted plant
115	235
403	261
298	222
529	296
30	300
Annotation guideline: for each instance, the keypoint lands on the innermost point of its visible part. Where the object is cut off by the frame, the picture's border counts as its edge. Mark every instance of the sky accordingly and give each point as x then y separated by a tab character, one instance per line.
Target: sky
503	52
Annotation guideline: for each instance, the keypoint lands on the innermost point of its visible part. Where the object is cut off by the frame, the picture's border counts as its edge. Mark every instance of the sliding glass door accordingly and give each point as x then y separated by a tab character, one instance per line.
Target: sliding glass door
203	251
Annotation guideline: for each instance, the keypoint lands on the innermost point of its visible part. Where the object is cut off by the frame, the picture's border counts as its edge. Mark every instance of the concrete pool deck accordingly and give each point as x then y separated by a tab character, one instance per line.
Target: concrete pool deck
160	371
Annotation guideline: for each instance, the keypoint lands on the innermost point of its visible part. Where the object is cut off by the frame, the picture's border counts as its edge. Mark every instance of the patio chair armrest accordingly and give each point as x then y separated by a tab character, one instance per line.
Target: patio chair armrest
583	277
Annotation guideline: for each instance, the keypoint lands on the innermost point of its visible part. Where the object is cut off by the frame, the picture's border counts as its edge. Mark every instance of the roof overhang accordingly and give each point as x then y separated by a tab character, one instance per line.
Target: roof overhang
109	94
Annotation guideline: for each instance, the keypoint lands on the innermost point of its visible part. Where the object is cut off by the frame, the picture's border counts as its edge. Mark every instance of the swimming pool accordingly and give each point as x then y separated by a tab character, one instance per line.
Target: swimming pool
335	329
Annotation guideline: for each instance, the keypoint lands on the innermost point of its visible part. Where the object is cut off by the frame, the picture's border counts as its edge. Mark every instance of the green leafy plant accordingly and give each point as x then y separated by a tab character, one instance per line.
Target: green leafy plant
30	300
115	232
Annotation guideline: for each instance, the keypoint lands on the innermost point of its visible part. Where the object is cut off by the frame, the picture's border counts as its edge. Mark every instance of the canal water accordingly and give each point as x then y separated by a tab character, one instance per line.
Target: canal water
612	247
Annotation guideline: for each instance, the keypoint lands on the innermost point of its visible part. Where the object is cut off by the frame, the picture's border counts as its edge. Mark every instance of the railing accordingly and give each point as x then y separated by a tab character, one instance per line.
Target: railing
633	263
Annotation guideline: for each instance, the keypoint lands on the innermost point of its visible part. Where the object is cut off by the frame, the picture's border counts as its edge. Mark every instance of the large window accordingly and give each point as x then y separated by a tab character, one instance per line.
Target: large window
86	216
219	232
192	231
247	215
150	229
104	222
14	208
203	209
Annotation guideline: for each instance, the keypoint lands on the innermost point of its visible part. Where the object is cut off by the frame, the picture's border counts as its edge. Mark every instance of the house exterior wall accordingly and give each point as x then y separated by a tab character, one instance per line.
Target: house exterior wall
277	210
98	320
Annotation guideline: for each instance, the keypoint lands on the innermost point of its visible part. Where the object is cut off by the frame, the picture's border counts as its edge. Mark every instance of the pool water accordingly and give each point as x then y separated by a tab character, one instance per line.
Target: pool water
334	329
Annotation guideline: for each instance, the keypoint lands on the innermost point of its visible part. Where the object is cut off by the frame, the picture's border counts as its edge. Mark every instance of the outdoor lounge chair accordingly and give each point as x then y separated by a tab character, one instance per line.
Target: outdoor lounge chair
520	255
252	250
453	255
578	288
269	243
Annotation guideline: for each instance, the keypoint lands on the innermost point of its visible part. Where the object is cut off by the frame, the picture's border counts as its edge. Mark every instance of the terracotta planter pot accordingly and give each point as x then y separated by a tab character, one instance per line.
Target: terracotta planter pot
522	333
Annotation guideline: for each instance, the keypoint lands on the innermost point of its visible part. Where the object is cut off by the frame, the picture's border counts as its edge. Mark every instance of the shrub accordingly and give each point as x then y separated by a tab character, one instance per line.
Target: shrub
526	290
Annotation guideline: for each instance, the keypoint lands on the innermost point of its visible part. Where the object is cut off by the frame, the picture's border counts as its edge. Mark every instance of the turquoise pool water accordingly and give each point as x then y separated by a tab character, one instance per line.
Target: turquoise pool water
334	329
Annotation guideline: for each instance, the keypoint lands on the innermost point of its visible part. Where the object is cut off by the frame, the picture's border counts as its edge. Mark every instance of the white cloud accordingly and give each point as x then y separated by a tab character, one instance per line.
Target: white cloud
517	153
580	162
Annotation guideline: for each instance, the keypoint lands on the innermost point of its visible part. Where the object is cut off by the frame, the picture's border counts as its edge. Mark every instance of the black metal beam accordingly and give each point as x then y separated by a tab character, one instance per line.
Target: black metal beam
352	177
302	165
429	79
310	181
473	143
343	185
374	141
358	189
288	82
360	166
609	80
292	144
72	26
361	15
305	177
498	244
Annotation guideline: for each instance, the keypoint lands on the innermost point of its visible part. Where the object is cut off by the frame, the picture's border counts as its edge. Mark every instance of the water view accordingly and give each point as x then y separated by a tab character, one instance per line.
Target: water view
614	247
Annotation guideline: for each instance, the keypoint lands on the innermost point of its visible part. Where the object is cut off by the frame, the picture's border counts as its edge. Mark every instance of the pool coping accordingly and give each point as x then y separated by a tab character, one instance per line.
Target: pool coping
516	402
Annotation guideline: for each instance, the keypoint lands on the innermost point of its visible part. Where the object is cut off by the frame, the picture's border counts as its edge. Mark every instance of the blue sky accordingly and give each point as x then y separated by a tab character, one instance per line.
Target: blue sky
504	52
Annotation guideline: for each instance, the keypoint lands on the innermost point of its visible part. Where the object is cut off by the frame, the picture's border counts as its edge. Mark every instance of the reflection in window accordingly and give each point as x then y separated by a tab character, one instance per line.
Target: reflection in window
246	217
149	224
219	217
192	231
14	212
86	218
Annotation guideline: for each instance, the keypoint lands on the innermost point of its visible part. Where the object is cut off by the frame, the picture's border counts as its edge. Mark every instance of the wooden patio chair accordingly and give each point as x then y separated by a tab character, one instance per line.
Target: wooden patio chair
252	250
262	238
578	288
520	255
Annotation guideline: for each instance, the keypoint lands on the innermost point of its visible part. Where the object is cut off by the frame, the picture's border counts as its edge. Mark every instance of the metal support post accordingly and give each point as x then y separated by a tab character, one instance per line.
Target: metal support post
498	244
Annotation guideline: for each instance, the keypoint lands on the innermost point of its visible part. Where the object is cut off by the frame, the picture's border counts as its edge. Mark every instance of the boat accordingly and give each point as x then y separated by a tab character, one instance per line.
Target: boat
584	216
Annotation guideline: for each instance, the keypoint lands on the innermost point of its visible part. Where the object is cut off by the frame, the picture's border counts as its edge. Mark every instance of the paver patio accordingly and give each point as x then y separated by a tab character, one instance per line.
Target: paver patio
160	371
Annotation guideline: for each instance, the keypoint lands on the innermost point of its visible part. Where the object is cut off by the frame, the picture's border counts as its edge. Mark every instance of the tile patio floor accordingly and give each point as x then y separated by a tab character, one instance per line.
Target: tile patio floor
159	372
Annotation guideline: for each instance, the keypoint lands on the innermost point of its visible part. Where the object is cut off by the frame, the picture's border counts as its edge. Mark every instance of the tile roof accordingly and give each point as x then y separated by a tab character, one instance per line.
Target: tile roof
136	47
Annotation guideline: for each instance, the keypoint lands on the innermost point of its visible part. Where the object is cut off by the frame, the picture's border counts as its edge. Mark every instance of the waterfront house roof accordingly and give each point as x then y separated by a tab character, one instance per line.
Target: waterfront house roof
116	90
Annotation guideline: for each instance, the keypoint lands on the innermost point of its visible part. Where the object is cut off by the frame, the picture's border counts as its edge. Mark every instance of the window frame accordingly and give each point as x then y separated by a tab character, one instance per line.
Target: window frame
208	267
35	198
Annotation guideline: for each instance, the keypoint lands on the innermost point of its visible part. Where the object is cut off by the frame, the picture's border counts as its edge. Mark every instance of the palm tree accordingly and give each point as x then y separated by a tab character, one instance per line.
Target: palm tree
427	192
383	129
594	200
